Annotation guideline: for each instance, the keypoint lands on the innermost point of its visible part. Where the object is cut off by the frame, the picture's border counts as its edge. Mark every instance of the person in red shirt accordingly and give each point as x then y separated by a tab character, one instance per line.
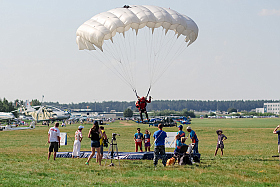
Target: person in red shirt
141	105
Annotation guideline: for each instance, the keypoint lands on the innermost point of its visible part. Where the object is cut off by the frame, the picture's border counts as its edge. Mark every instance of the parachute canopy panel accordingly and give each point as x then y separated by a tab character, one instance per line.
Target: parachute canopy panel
104	26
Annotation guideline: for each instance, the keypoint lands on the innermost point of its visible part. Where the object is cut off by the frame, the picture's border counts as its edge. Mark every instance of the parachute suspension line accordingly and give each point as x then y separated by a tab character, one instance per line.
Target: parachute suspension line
171	62
147	34
166	48
149	90
121	59
166	52
127	49
118	73
159	43
118	60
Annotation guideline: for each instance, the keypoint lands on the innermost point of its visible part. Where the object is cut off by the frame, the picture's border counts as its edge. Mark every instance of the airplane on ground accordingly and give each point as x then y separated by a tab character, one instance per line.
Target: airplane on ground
45	113
6	116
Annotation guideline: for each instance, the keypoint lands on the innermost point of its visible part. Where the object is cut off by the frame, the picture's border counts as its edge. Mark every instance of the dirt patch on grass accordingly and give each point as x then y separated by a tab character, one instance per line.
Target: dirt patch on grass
124	123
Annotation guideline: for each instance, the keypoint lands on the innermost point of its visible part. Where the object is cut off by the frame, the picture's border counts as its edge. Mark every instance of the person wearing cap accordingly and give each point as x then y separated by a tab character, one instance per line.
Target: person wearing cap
138	137
77	142
181	132
276	131
220	143
194	139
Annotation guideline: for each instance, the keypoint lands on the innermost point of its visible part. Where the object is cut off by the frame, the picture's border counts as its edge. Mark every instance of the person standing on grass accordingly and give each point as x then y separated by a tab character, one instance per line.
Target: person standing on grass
278	132
102	140
181	132
95	135
220	143
53	140
194	139
147	141
77	142
159	137
138	137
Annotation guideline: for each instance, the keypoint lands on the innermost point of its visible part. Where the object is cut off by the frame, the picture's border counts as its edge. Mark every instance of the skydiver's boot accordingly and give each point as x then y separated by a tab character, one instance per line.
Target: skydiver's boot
141	116
147	117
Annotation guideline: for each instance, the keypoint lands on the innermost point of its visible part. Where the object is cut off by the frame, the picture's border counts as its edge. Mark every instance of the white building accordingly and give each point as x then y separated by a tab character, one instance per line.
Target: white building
260	110
271	108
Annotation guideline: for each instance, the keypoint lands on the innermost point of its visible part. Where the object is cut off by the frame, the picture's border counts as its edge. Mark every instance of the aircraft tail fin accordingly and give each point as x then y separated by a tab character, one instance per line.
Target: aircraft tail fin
28	106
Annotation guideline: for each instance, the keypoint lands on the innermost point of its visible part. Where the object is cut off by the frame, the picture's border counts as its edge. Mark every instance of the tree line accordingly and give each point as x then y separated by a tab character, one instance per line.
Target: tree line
176	105
156	105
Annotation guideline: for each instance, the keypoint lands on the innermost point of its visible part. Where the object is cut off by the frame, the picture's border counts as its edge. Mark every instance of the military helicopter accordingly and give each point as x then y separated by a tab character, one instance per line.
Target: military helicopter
44	113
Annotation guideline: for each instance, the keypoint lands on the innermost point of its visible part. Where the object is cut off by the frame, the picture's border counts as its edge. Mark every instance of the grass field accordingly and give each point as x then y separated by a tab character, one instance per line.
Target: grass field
247	159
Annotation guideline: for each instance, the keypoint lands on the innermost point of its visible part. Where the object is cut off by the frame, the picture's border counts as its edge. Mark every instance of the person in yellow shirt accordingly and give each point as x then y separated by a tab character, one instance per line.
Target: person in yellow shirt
102	140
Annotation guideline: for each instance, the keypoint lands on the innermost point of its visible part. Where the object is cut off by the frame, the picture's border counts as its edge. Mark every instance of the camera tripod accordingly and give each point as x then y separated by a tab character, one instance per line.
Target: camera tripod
113	145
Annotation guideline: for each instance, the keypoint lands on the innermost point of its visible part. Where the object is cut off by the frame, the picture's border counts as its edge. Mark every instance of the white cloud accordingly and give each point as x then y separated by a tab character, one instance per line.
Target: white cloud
266	12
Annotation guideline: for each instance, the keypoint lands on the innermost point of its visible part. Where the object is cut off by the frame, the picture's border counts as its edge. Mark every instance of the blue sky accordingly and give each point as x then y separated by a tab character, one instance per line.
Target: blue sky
236	55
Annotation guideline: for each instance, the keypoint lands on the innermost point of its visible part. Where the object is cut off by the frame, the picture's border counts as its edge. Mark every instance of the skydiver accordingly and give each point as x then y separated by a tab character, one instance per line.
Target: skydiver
141	105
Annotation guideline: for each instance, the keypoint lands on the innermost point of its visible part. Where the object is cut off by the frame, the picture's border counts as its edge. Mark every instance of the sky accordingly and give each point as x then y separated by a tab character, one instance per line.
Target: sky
236	55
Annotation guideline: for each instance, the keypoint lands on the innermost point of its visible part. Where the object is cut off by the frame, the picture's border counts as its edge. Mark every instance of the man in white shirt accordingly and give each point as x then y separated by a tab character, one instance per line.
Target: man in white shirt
54	140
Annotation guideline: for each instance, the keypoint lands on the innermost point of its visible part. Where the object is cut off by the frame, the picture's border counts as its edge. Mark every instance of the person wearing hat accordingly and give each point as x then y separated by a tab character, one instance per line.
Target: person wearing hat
77	142
194	139
220	143
181	132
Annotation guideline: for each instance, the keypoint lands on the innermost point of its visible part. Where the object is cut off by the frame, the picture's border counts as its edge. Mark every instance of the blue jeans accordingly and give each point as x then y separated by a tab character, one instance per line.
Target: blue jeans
159	149
195	148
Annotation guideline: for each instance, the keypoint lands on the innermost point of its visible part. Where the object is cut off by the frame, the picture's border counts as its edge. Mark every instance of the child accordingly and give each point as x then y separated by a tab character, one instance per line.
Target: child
220	143
147	136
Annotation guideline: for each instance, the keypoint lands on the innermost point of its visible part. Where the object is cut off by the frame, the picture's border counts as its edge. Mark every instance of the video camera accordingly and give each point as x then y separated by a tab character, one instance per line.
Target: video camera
114	136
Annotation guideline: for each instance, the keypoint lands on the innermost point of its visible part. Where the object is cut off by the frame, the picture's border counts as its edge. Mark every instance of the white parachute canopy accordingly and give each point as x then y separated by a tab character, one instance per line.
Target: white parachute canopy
137	34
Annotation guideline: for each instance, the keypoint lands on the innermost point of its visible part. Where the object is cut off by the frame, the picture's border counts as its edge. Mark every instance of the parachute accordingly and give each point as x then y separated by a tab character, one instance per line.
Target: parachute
137	38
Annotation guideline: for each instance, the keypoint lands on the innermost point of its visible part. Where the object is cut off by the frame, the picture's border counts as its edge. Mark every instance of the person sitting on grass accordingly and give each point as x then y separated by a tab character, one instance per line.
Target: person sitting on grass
220	143
180	141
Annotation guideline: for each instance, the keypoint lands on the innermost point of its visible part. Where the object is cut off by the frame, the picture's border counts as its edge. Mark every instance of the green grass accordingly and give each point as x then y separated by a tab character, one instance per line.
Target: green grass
247	160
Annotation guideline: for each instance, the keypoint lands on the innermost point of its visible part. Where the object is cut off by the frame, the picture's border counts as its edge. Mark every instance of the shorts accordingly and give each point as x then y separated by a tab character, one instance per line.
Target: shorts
279	148
148	144
220	146
101	149
95	143
53	147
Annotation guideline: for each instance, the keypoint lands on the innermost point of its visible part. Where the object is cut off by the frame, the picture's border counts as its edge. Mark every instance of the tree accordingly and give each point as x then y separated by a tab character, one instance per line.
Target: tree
128	113
35	102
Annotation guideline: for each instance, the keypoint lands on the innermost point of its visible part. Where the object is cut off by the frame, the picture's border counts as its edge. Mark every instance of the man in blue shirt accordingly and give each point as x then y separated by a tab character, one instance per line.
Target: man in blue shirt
159	137
278	132
138	137
194	139
181	132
